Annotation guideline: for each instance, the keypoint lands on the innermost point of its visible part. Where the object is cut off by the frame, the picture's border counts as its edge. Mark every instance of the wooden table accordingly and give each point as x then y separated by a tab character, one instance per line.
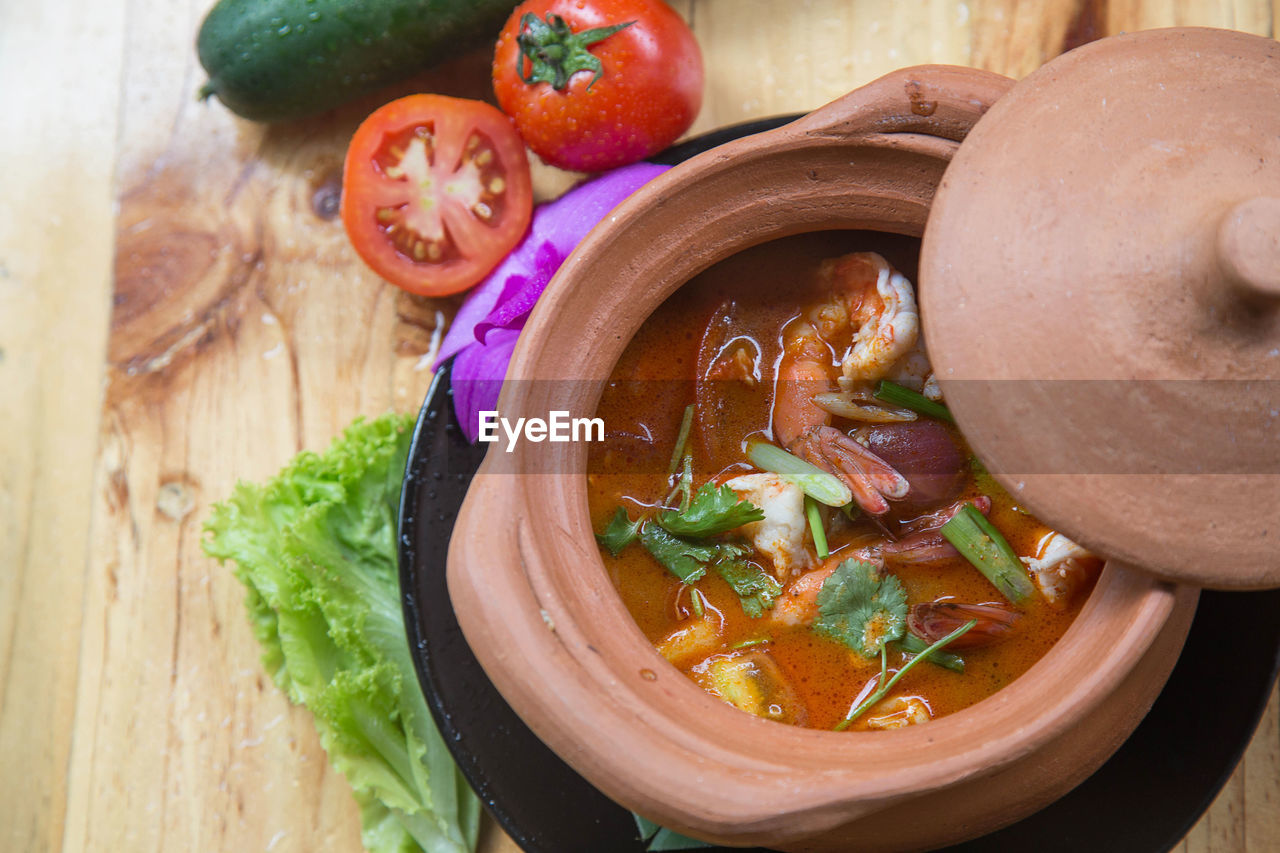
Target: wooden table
179	308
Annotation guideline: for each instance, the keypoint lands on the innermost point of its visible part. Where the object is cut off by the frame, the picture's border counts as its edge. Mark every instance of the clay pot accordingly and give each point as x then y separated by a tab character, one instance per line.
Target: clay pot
536	605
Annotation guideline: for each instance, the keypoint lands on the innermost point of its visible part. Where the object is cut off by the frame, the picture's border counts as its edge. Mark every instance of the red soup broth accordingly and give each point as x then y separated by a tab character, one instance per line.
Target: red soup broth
642	407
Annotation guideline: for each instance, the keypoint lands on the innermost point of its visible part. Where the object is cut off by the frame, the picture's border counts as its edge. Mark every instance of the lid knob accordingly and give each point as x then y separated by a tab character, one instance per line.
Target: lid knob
1249	246
1100	291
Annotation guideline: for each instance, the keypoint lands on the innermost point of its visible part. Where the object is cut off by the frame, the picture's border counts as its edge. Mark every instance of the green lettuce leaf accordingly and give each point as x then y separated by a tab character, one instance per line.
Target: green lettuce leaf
315	548
861	609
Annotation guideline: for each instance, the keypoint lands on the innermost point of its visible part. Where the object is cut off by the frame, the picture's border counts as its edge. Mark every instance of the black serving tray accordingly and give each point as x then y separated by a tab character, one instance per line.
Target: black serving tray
1143	800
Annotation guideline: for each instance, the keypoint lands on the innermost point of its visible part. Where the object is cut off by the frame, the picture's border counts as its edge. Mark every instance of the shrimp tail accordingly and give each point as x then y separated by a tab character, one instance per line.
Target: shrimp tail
882	476
931	622
924	544
926	548
869	477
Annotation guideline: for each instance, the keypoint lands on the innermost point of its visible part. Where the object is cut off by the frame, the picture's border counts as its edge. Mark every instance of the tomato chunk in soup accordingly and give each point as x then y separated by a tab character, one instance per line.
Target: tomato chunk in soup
785	344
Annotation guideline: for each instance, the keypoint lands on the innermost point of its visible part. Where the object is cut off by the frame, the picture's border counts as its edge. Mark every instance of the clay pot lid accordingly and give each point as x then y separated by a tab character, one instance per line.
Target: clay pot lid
1100	287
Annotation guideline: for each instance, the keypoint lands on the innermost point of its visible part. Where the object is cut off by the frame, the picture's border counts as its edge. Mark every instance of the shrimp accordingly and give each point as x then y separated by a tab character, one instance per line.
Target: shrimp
871	319
869	322
933	621
871	480
780	535
913	370
805	371
880	306
798	604
1060	567
922	542
900	712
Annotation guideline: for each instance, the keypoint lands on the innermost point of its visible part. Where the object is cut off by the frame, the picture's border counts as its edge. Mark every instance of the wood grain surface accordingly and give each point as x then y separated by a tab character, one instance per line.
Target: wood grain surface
179	309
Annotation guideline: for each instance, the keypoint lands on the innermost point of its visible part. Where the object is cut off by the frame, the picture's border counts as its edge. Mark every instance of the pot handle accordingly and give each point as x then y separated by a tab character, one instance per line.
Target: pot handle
935	100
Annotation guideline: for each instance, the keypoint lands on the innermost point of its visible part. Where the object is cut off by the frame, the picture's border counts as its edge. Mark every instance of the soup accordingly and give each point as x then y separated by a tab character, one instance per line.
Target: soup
790	516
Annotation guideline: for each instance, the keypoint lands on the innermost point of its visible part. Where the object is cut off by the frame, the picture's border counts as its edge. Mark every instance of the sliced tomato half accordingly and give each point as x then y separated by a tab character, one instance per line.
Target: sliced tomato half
435	192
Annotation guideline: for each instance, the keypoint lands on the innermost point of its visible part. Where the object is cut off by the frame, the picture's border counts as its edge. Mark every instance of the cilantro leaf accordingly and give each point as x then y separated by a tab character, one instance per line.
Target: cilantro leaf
713	510
684	559
620	533
757	589
859	608
682	539
688	559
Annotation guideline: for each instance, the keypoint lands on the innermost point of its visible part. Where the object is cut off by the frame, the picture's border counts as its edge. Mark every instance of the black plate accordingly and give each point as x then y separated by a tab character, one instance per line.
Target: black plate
1143	800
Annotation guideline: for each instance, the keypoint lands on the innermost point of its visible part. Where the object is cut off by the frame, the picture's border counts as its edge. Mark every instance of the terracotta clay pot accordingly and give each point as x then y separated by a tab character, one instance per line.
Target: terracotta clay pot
536	605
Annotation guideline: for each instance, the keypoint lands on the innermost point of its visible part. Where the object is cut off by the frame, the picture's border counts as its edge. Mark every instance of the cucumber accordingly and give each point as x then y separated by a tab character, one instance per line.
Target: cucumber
270	60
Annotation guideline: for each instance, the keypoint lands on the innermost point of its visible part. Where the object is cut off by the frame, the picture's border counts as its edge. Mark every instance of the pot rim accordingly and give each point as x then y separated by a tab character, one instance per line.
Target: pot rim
551	617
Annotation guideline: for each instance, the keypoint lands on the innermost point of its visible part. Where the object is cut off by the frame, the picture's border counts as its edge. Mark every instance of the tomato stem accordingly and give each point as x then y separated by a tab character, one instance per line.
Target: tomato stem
555	52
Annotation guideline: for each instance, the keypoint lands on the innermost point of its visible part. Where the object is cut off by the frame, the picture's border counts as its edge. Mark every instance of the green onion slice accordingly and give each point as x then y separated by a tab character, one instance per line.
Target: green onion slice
913	645
981	544
686	423
696	598
895	395
885	686
815	527
816	483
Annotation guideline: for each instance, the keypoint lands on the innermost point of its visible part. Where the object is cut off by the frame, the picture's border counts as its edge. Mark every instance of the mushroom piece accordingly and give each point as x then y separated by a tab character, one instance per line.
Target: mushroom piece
752	681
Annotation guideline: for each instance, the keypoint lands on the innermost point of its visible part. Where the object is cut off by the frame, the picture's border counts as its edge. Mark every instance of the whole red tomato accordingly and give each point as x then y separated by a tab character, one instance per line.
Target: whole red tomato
594	84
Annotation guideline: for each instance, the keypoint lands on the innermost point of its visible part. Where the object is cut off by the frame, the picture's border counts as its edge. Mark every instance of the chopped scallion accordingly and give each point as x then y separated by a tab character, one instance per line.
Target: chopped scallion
981	544
885	686
683	486
815	527
816	483
682	438
896	395
913	645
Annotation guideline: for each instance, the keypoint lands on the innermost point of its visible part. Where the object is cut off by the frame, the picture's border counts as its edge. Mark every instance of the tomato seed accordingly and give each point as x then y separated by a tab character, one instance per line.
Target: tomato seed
497	185
484	157
419	251
385	214
434	252
483	210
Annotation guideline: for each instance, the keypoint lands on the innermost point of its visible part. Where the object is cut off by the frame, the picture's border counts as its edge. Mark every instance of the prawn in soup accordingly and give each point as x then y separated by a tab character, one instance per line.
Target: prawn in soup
788	512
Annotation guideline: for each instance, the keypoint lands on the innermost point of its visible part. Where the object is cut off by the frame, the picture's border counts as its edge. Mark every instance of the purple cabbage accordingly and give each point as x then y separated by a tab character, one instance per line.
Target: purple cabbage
483	334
